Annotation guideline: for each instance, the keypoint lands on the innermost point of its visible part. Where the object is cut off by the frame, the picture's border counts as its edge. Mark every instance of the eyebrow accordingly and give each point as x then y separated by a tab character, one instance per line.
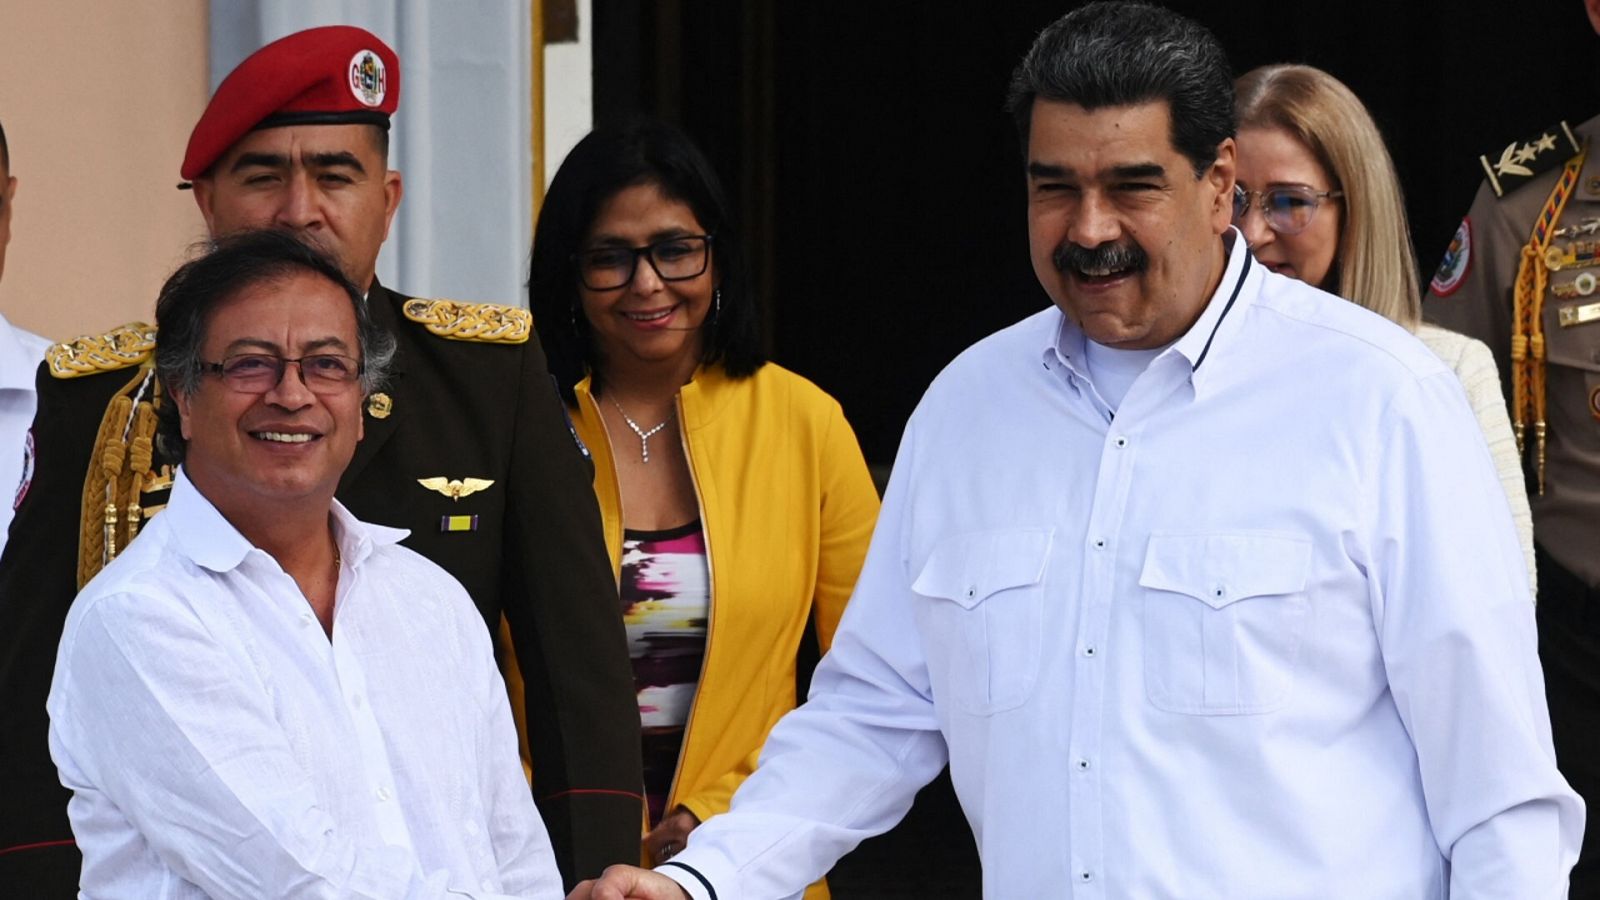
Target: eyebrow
665	234
1041	170
324	159
245	345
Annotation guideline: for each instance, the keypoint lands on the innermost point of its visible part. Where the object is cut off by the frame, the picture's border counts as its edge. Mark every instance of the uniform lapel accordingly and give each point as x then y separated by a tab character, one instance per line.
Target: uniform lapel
383	304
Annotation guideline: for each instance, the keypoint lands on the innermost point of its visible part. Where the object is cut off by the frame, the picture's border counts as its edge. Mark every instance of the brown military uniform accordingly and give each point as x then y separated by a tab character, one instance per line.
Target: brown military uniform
1474	292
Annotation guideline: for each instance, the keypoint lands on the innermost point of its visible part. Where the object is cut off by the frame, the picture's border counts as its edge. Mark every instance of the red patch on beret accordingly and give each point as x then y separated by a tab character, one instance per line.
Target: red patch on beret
335	75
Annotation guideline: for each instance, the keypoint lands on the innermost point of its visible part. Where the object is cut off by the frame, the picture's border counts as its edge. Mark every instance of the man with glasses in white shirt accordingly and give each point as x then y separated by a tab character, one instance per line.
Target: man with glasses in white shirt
1201	581
263	695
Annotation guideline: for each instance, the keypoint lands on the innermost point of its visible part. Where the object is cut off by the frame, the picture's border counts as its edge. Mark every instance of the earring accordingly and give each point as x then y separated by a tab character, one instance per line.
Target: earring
716	302
572	317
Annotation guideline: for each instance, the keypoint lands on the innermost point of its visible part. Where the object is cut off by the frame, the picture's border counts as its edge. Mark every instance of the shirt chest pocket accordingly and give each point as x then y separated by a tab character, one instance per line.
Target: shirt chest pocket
982	622
1224	615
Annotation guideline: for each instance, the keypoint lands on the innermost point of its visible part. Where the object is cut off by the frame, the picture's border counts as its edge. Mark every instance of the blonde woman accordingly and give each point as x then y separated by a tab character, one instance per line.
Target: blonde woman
1319	200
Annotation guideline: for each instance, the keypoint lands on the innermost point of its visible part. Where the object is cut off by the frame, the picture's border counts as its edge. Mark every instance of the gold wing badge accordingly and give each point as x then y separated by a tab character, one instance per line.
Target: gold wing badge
455	489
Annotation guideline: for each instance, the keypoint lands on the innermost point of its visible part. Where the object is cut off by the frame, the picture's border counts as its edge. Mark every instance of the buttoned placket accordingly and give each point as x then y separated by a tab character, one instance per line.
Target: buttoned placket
341	655
1120	434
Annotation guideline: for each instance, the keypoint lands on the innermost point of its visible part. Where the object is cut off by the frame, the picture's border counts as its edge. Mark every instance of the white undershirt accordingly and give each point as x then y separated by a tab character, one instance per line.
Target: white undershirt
1113	371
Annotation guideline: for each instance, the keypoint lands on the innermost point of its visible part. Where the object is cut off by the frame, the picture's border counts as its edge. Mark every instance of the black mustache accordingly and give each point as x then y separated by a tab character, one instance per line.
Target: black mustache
1114	257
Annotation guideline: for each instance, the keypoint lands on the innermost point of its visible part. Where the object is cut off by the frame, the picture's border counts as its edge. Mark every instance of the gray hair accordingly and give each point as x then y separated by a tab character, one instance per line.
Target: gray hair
228	266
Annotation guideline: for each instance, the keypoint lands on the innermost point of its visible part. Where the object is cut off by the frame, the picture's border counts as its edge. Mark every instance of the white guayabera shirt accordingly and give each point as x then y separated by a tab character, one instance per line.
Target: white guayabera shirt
1264	633
218	744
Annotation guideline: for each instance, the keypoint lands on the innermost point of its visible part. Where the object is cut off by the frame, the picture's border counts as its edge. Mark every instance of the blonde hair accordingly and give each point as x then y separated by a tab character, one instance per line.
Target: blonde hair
1375	266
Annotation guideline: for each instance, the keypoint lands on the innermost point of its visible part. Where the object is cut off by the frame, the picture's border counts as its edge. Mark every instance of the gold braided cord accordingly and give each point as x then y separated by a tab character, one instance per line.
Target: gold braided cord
122	443
486	323
1527	338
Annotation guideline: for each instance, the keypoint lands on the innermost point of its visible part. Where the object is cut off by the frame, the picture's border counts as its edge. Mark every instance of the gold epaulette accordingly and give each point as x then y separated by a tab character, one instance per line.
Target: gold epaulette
119	348
1522	161
486	323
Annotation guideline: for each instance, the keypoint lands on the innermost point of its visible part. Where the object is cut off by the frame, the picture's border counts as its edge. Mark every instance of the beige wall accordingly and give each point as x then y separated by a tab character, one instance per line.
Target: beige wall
97	99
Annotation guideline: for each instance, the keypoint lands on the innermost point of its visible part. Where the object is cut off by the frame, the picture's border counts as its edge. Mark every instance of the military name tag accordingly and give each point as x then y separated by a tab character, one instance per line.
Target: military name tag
1569	316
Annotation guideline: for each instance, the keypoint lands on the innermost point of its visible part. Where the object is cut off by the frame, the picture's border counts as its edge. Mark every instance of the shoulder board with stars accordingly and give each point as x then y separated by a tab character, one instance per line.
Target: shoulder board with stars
1521	161
120	348
484	323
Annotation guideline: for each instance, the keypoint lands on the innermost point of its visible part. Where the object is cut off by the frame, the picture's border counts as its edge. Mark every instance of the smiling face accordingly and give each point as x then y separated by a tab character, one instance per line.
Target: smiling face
649	321
1123	237
329	184
261	455
1273	158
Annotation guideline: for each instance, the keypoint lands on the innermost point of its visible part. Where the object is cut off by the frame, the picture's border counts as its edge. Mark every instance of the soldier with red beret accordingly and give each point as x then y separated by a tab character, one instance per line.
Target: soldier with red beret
468	449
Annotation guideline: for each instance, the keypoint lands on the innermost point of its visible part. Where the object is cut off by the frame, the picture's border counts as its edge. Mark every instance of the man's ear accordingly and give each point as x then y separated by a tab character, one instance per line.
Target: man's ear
393	190
1221	178
204	196
181	401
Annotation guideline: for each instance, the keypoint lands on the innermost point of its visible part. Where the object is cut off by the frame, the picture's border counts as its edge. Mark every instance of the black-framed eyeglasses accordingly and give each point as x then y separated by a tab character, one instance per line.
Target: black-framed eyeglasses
1287	210
257	373
673	259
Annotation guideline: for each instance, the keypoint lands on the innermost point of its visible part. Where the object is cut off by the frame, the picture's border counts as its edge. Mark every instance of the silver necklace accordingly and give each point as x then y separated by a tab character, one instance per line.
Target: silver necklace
644	434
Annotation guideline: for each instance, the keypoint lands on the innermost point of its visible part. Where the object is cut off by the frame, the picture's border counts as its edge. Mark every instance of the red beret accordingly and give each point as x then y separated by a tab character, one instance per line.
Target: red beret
335	75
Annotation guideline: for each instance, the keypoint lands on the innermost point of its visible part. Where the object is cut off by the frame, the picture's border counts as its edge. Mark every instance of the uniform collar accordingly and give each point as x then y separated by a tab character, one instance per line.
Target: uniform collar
209	539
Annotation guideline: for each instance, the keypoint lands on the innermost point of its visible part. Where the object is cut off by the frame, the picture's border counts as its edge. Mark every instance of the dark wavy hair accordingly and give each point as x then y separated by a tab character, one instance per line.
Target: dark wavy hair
605	162
228	266
1128	53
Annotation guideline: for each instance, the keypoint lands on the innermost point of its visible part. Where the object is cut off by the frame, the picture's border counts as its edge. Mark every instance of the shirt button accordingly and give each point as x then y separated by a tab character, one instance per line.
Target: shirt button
1099	543
1121	441
1086	875
1221	592
471	828
972	591
383	794
306	619
1089	650
355	700
1083	765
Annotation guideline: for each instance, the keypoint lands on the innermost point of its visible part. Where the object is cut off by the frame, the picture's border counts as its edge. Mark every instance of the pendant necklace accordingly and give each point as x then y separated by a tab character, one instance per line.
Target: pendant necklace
644	434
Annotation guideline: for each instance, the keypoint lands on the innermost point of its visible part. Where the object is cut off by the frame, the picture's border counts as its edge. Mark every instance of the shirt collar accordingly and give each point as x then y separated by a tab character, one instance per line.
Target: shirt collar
213	543
1219	319
18	363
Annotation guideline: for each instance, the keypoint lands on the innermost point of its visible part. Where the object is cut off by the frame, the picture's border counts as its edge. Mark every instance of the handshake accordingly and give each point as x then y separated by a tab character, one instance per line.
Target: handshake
629	883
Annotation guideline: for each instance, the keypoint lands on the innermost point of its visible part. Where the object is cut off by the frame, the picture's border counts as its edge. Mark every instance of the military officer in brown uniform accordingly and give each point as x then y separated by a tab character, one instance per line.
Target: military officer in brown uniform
1521	275
469	449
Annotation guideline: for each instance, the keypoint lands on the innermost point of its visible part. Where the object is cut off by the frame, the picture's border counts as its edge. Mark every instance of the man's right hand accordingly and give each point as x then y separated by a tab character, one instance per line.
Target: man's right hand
629	883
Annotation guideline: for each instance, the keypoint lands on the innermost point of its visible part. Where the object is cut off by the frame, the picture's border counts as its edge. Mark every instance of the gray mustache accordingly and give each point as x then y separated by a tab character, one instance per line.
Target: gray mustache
1106	256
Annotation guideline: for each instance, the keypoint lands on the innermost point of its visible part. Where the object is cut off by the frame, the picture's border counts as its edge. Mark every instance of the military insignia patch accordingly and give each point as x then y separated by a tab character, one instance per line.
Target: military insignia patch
369	82
1457	259
27	472
1521	161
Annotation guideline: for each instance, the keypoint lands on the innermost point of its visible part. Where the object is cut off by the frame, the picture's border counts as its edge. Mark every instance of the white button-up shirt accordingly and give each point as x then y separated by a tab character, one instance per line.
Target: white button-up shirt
218	744
20	355
1265	633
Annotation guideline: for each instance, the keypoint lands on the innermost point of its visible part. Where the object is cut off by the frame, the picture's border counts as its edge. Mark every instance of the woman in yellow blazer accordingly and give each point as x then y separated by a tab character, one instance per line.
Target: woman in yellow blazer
736	503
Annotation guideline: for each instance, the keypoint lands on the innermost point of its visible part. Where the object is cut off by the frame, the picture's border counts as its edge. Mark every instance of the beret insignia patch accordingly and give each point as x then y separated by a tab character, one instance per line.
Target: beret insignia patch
369	81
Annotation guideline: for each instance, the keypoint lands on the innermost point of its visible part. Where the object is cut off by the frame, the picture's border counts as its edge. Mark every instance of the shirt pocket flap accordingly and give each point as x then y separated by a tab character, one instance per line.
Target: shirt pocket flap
966	568
1218	569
